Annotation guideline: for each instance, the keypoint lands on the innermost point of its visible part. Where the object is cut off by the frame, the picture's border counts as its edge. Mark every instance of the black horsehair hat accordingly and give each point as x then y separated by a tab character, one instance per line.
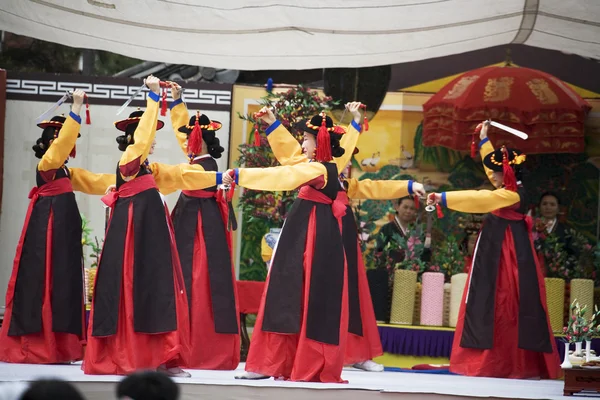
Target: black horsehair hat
56	122
134	118
494	160
504	160
198	125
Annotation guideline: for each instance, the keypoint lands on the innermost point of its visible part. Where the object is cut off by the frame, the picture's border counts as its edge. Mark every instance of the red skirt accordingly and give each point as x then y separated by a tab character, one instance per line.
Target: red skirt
45	347
367	346
294	356
208	349
128	351
505	359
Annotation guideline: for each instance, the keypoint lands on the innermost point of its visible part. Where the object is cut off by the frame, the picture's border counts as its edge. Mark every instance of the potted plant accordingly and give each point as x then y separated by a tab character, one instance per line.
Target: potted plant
406	273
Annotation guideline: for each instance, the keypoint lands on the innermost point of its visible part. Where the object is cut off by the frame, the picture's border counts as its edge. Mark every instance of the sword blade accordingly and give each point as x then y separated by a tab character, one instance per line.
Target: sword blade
508	129
133	96
49	112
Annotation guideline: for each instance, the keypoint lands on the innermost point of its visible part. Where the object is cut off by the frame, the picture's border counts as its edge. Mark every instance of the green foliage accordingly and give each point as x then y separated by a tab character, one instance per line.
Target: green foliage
448	258
87	241
25	54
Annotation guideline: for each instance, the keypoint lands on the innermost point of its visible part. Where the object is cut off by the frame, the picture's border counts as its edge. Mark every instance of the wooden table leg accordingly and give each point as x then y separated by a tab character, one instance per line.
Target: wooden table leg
245	347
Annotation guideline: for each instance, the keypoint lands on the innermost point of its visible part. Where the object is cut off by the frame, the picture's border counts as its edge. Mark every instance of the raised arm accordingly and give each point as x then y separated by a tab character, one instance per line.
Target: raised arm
286	148
478	201
88	182
287	177
170	178
61	147
137	153
179	116
349	139
485	148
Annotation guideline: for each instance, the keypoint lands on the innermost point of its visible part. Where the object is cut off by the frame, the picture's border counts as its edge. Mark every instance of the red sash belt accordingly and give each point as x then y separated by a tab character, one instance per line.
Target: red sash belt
131	188
52	188
337	206
201	194
512	215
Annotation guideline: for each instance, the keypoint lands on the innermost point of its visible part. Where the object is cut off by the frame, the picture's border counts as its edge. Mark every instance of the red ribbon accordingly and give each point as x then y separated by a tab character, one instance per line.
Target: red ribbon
129	189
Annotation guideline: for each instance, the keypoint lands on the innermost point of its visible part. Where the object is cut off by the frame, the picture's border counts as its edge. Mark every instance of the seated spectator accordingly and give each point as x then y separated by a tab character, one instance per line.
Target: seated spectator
149	385
51	389
406	214
549	208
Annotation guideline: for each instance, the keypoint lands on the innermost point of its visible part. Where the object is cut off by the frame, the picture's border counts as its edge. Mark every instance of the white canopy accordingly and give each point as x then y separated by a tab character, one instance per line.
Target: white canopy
304	34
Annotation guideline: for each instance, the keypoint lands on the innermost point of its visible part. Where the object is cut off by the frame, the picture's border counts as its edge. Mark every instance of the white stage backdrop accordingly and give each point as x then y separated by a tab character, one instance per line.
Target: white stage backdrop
29	95
303	34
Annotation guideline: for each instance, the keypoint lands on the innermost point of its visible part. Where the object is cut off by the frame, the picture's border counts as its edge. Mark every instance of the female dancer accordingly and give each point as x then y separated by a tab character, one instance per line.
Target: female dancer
43	322
363	342
204	246
503	328
139	316
300	332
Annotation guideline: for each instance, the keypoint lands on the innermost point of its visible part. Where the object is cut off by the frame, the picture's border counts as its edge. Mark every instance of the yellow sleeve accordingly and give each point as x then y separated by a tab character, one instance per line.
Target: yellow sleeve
287	177
170	178
485	149
61	147
376	190
348	142
137	153
286	148
88	182
179	118
479	201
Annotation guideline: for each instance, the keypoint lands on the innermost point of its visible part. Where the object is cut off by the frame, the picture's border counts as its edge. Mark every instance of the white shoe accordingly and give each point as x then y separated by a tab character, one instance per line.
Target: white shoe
369	365
251	375
175	372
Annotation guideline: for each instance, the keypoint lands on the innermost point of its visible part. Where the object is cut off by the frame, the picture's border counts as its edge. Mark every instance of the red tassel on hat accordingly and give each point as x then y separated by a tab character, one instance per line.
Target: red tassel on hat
416	199
365	120
256	136
195	138
510	181
163	109
88	120
473	145
323	142
73	152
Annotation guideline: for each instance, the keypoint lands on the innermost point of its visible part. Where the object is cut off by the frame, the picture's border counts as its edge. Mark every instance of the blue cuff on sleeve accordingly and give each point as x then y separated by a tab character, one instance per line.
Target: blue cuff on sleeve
484	141
273	126
76	117
175	102
237	176
356	126
444	199
410	184
219	178
154	96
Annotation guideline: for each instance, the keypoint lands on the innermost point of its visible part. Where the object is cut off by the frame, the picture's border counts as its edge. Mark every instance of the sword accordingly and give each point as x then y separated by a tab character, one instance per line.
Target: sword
508	129
49	112
130	99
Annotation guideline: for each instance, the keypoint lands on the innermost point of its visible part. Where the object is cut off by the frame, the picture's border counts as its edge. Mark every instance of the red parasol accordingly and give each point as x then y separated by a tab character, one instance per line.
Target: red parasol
532	101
